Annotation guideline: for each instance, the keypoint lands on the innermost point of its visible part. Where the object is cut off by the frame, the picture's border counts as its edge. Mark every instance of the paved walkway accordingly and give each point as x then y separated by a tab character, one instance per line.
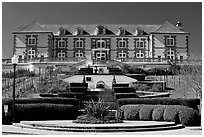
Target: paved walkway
19	130
13	130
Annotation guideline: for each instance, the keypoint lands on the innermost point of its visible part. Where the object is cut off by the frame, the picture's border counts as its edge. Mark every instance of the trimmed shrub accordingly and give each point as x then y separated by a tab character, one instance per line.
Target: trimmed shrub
158	113
125	95
52	100
192	103
145	112
131	112
45	111
171	114
189	117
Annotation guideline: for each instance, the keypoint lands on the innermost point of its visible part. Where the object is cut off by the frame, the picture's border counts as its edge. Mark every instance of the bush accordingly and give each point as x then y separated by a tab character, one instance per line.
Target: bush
189	117
155	88
192	103
172	113
97	109
158	113
125	95
58	86
45	111
51	100
140	87
130	112
145	112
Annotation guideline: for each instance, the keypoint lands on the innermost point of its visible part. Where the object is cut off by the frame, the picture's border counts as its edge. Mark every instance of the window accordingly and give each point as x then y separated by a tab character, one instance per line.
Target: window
79	54
31	53
122	55
140	54
61	54
79	44
170	54
181	57
159	58
140	44
31	40
101	29
101	44
61	44
122	43
170	41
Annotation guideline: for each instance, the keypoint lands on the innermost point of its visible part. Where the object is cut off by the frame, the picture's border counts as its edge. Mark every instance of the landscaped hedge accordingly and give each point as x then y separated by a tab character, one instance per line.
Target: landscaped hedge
45	111
51	100
192	103
40	109
173	113
125	95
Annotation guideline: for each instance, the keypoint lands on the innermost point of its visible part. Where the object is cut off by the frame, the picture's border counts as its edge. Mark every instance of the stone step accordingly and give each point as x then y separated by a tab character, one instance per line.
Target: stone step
119	127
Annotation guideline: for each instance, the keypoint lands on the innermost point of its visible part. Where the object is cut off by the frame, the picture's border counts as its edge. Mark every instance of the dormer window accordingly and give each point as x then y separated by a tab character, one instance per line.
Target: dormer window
31	40
101	30
79	43
61	44
101	44
170	41
62	31
122	43
139	31
79	31
121	31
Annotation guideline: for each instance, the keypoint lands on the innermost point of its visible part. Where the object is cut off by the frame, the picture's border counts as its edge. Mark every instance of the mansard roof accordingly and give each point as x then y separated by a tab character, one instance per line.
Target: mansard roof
90	29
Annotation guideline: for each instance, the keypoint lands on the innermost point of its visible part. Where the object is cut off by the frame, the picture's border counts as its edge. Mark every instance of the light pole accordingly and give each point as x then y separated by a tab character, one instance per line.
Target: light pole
14	61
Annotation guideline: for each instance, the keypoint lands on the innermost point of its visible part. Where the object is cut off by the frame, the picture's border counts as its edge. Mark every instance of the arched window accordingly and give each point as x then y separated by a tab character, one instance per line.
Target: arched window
170	41
101	44
122	43
61	44
79	44
31	40
139	44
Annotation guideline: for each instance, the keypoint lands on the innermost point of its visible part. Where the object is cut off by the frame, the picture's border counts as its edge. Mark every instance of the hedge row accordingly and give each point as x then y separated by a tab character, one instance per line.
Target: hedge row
192	103
52	100
172	113
45	111
40	109
125	95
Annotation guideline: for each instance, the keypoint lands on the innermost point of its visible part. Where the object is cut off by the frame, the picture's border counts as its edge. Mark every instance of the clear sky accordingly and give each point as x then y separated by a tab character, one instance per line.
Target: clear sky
16	14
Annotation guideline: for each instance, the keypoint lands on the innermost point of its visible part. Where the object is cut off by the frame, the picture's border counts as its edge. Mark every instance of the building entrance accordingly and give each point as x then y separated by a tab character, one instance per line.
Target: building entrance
101	56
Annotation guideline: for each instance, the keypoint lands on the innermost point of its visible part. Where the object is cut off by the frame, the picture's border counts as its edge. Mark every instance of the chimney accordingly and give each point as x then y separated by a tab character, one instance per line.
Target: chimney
179	25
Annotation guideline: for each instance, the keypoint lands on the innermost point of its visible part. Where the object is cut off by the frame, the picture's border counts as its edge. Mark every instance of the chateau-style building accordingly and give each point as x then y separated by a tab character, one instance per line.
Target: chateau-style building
101	42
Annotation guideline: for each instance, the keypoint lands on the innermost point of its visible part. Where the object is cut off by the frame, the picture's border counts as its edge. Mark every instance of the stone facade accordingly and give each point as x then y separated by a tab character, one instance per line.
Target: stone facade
101	42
